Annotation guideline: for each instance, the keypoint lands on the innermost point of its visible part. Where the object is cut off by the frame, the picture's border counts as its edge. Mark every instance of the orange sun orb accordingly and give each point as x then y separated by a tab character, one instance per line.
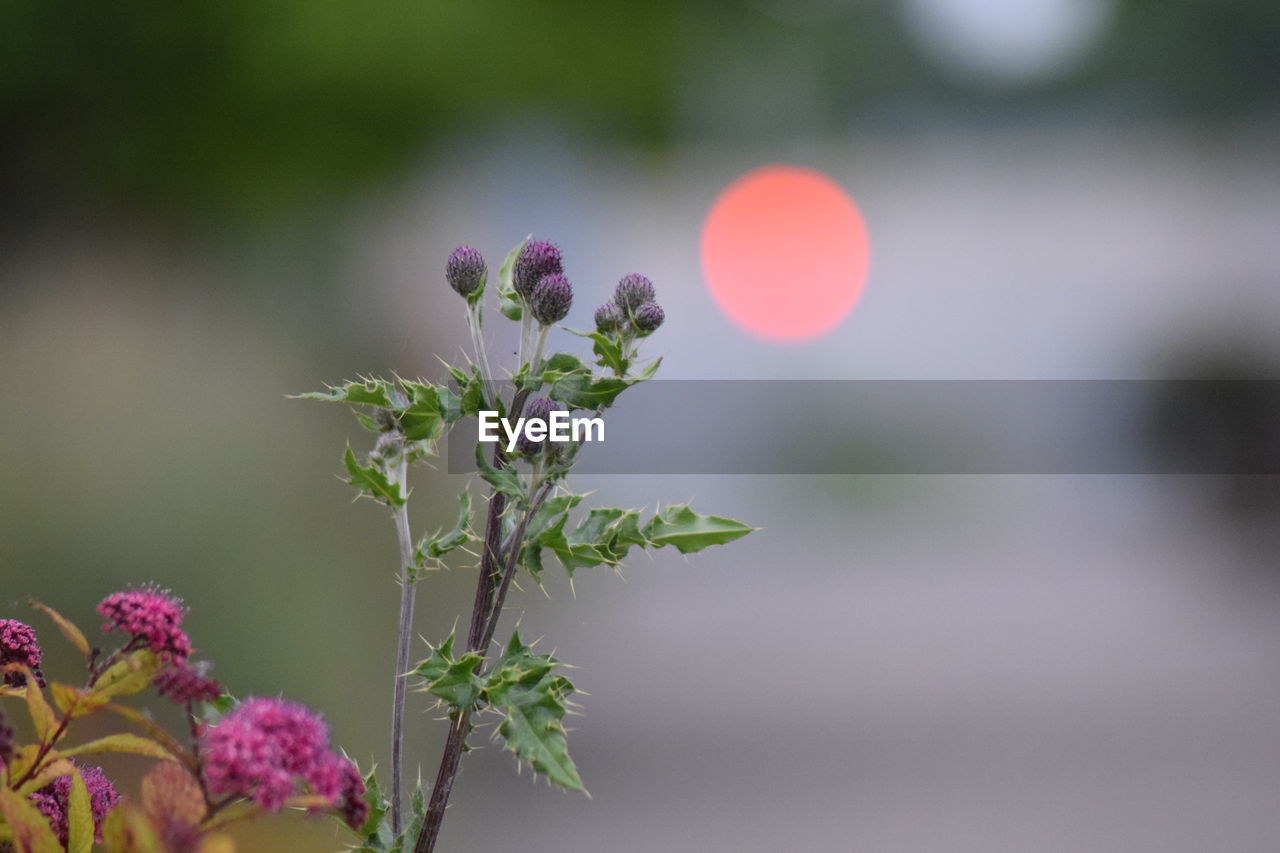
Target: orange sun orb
784	252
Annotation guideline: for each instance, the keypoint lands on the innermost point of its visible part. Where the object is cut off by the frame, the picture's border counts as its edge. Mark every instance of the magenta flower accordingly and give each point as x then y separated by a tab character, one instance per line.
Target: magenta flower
149	614
263	748
18	645
183	683
51	800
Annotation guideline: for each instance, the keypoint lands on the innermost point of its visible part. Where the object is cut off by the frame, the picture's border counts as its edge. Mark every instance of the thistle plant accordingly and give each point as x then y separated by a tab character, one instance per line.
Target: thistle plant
238	759
529	510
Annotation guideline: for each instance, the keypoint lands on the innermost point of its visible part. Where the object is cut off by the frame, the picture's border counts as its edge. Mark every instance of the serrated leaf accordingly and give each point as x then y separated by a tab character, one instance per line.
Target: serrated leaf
79	817
608	352
65	625
450	679
505	480
422	419
365	392
460	534
371	481
584	391
688	531
531	696
31	831
379	806
129	744
129	675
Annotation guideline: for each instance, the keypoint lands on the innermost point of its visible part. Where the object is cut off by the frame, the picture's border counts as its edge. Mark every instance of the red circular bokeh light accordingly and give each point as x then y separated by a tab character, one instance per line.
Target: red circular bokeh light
784	252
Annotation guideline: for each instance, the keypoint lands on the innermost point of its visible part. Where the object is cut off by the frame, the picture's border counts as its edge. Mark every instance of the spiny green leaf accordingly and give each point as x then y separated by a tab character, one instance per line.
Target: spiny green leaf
365	392
422	419
505	480
435	547
531	696
689	532
453	680
608	351
371	481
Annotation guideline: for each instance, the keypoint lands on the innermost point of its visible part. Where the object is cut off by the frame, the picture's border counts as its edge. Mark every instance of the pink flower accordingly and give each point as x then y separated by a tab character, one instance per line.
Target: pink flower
263	748
51	800
150	614
18	645
183	683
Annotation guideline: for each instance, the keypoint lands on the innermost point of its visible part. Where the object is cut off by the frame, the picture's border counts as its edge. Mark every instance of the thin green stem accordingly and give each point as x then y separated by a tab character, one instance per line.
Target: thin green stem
408	588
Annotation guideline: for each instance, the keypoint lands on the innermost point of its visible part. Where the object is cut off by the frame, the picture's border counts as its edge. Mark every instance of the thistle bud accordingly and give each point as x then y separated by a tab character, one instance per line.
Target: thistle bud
466	271
537	260
648	317
551	299
633	291
540	409
609	318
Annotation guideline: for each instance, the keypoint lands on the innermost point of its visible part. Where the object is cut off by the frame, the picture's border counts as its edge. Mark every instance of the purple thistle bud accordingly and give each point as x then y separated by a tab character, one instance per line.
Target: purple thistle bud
265	747
609	318
551	299
541	409
633	291
51	800
183	683
151	614
7	734
537	260
466	270
648	317
18	645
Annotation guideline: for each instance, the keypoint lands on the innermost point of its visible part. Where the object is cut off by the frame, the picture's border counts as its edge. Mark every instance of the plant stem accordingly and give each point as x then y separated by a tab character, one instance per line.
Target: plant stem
490	562
408	587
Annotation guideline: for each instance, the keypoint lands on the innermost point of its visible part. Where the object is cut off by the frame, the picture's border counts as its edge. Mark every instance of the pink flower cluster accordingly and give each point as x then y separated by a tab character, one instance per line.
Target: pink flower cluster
51	800
262	748
182	683
151	615
18	645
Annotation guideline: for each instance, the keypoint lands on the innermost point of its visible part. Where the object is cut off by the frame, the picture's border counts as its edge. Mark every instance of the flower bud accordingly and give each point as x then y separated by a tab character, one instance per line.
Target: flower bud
609	318
466	271
551	299
540	409
648	317
537	260
633	291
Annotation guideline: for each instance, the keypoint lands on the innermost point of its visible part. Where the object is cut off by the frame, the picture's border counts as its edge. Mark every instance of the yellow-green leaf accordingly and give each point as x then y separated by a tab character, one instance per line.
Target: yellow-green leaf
31	832
74	701
124	742
65	625
42	716
129	675
79	817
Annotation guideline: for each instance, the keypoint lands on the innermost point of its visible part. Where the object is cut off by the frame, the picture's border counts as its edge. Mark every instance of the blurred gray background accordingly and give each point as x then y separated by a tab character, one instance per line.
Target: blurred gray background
209	207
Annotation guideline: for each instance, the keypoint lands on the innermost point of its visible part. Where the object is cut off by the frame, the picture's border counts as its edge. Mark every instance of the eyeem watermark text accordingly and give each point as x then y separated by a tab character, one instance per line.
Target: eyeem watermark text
558	426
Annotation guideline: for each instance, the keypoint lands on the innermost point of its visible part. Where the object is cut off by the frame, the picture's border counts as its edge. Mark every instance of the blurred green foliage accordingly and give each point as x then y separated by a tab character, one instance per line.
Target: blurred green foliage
243	109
